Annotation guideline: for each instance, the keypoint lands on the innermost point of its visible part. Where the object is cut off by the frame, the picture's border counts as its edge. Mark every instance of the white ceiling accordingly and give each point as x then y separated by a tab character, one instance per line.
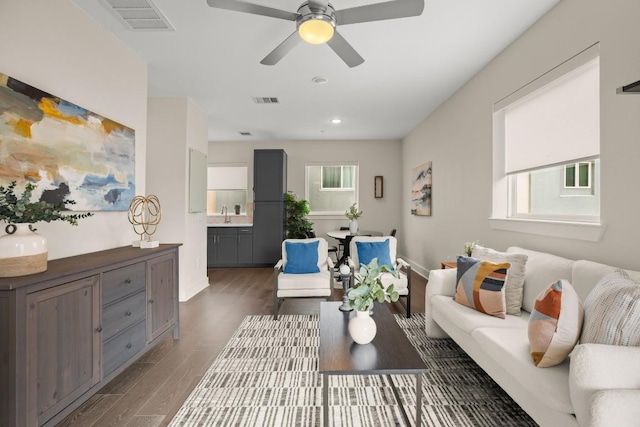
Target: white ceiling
411	65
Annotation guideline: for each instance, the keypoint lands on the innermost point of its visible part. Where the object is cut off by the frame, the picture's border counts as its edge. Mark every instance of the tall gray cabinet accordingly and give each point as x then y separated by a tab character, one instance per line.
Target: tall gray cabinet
269	186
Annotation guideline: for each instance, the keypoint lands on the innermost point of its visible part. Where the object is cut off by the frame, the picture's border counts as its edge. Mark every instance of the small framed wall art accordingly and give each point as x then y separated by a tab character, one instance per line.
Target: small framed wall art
421	190
378	187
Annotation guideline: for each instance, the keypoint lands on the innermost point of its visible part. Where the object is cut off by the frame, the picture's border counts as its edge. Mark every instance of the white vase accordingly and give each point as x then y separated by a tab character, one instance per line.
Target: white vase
22	251
362	327
353	226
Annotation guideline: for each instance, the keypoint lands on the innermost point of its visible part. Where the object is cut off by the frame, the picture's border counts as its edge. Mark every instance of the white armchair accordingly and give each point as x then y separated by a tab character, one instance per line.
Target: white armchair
304	271
364	248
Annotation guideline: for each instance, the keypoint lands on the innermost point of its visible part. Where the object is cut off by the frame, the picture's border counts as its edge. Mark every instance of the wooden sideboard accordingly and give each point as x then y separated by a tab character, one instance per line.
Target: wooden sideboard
68	331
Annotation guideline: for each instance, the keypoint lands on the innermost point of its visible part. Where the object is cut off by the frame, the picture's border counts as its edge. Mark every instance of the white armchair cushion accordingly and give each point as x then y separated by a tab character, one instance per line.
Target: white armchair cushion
597	367
307	285
399	283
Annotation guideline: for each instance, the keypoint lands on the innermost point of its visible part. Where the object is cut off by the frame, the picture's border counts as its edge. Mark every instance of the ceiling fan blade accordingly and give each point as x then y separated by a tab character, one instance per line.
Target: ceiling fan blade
283	48
240	6
380	11
345	50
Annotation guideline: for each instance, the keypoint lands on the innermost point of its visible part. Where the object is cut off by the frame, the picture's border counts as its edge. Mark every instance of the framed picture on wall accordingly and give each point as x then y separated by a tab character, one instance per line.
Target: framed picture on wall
421	190
69	151
378	187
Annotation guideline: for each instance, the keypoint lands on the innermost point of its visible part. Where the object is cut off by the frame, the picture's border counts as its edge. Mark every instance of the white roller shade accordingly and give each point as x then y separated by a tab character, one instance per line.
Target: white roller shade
556	124
227	177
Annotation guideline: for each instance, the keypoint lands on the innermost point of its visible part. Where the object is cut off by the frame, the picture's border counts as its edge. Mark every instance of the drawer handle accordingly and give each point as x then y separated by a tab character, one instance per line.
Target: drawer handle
128	313
151	300
128	281
99	329
129	345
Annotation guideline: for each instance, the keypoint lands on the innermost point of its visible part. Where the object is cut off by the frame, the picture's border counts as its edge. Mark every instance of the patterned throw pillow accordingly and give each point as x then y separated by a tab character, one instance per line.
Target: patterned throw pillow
612	311
480	285
554	325
514	289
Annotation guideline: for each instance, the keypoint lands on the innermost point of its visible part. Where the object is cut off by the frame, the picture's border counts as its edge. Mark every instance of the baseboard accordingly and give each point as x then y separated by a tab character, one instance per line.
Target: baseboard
421	270
192	289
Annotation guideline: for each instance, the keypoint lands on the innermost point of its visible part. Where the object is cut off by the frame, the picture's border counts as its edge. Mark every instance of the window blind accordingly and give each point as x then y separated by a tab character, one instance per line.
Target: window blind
557	123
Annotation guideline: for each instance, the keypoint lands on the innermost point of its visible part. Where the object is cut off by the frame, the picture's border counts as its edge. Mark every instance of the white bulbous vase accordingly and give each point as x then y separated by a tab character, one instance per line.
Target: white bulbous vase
353	226
22	251
362	327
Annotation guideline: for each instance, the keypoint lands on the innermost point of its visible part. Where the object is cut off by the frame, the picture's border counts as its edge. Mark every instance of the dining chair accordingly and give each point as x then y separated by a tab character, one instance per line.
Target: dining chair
364	248
304	271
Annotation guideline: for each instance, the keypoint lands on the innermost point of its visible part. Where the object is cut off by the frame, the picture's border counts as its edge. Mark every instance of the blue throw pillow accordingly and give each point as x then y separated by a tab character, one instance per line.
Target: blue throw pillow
302	258
367	251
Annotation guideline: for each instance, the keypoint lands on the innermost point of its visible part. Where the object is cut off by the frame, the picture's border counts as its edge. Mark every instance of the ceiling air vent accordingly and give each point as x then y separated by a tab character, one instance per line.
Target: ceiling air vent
244	133
266	100
139	15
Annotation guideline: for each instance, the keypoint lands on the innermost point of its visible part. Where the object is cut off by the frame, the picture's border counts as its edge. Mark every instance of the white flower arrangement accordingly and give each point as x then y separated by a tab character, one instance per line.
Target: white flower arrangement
468	246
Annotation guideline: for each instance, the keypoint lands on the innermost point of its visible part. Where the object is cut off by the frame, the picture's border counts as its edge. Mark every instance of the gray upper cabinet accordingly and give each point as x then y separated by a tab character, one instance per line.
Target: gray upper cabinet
269	175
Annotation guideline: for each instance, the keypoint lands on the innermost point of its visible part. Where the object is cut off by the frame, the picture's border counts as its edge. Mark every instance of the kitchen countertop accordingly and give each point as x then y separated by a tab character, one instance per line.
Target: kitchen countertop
230	224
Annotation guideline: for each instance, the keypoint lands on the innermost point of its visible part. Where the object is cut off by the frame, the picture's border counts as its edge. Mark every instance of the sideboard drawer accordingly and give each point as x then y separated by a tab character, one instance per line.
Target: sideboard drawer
119	316
123	347
122	282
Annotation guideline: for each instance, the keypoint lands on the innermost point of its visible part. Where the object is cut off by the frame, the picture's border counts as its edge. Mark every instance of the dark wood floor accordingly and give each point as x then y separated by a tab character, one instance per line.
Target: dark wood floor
151	391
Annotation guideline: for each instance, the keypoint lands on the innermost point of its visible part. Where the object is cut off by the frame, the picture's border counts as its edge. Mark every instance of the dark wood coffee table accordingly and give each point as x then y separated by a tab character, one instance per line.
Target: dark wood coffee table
390	353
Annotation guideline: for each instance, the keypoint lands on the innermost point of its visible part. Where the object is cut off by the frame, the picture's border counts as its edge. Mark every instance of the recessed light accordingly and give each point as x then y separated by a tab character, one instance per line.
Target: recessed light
320	80
336	121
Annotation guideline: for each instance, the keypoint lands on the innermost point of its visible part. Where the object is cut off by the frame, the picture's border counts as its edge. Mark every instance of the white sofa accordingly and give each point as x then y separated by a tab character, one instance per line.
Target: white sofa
599	385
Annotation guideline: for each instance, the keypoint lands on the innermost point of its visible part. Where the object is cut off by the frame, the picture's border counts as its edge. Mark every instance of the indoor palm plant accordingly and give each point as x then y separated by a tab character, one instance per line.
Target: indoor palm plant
367	289
353	214
22	251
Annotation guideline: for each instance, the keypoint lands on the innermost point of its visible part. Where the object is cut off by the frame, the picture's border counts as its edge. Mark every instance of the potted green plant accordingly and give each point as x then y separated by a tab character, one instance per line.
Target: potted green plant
368	289
22	251
468	247
298	226
353	214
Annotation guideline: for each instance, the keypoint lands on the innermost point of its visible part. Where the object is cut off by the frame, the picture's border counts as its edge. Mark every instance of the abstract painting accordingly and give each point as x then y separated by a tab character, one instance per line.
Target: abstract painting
66	150
421	190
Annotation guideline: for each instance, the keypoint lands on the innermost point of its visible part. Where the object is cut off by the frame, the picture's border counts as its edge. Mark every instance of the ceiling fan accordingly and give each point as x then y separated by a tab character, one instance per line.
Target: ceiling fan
316	22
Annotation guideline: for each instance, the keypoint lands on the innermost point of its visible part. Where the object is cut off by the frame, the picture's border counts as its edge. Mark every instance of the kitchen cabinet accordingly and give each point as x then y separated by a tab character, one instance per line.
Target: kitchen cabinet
68	331
245	245
269	184
229	246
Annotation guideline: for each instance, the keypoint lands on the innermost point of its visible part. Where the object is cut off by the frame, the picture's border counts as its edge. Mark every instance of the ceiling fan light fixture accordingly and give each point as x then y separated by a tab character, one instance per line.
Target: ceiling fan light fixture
316	30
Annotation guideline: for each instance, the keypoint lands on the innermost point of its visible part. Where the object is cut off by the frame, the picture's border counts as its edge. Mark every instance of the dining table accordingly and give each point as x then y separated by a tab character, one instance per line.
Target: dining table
345	236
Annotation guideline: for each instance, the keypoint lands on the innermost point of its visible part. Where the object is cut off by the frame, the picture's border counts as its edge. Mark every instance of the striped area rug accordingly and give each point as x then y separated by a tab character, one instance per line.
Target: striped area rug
267	375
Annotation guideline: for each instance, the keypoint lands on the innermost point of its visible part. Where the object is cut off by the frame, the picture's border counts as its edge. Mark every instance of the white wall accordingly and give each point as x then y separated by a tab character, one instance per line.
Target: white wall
54	46
175	126
379	157
458	139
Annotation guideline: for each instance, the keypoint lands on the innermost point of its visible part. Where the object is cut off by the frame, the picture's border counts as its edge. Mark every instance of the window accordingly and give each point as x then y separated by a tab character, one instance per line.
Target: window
337	177
331	187
577	175
547	148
